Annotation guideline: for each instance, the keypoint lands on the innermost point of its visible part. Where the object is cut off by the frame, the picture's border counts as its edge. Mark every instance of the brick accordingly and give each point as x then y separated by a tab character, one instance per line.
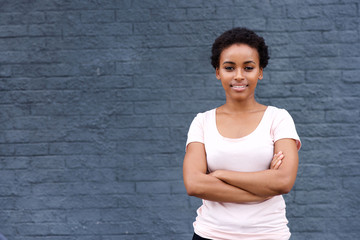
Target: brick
93	161
139	134
348	50
322	76
37	70
152	187
274	38
44	30
346	23
306	37
152	68
132	15
14	162
286	25
143	174
152	107
189	27
69	148
193	106
327	130
21	18
202	67
31	148
297	11
175	14
5	71
149	4
79	5
288	51
53	17
10	6
255	24
333	63
13	31
157	160
319	24
340	10
173	120
342	116
349	76
341	36
111	29
323	50
104	16
152	28
308	225
202	13
186	4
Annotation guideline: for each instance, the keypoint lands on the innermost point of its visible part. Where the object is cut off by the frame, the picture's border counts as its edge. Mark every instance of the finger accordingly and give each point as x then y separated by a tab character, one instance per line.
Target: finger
273	161
277	158
278	165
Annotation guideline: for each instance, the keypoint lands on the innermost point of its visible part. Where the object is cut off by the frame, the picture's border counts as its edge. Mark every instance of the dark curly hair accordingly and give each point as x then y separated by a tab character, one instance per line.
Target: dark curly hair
239	35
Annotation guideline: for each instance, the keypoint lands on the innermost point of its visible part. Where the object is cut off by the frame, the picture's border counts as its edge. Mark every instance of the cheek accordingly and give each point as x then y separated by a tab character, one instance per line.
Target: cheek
225	84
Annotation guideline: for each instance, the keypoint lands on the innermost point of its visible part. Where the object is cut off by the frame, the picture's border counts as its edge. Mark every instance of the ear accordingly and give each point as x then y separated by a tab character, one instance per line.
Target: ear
217	73
261	74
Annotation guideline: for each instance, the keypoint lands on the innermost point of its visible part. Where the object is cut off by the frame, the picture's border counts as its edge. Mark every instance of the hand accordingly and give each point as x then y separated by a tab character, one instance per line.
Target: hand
216	174
276	161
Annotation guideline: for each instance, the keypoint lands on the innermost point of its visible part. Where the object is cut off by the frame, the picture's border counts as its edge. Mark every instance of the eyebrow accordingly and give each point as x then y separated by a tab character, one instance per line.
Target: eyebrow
229	62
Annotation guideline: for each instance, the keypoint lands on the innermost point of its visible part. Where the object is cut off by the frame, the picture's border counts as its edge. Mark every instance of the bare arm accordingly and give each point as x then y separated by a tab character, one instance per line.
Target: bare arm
269	182
202	185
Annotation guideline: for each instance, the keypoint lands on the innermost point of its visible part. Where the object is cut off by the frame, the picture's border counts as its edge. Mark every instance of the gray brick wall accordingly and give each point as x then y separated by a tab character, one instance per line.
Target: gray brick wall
96	98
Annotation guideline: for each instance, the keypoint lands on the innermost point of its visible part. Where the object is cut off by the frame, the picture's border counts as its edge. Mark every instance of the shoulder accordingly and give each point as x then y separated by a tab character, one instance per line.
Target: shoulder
207	115
278	113
283	126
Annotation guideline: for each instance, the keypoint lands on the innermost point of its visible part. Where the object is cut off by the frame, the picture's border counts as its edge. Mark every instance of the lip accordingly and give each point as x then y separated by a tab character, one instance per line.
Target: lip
238	87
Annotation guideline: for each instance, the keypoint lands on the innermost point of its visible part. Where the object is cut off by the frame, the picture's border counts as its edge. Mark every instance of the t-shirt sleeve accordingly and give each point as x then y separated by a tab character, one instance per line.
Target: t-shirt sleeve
196	130
284	127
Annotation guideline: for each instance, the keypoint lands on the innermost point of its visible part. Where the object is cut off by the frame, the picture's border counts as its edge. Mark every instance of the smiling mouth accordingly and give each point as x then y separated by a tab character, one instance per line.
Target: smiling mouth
239	87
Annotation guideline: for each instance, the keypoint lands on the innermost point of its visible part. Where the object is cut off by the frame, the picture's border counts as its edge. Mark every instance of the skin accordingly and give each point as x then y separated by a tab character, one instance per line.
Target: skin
239	72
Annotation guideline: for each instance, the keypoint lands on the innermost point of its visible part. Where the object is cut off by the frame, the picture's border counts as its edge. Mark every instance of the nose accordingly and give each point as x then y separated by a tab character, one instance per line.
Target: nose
239	74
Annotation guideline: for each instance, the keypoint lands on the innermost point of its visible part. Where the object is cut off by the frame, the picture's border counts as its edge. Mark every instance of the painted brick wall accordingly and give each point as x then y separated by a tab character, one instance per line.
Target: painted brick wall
96	98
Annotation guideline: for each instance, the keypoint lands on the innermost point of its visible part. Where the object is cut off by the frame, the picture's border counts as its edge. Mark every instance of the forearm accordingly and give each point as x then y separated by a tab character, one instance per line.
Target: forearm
262	183
208	187
279	179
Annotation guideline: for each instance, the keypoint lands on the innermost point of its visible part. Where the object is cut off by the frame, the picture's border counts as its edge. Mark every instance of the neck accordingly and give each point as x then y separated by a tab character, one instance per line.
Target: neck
241	106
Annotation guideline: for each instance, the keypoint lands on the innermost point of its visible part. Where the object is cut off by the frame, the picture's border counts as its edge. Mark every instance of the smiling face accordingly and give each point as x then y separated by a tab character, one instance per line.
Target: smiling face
239	71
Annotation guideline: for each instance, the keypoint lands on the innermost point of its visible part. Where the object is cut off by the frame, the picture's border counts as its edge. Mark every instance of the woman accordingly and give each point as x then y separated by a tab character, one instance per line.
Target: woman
230	161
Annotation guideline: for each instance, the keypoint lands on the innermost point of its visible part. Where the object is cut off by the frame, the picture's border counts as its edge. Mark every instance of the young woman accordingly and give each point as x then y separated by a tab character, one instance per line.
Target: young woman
242	156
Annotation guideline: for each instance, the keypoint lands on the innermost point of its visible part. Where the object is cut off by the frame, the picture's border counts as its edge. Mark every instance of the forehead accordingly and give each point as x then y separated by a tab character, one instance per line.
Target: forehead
240	52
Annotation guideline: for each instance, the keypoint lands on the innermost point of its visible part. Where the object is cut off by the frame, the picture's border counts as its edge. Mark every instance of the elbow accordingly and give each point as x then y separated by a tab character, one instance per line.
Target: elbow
192	187
285	185
284	190
191	191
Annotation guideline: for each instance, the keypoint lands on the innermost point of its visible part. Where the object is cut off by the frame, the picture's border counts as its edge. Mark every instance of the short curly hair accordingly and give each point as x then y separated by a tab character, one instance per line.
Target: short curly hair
237	36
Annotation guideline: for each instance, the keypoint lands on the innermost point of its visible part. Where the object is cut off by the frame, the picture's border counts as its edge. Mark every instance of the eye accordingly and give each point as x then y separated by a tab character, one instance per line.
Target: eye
248	68
229	68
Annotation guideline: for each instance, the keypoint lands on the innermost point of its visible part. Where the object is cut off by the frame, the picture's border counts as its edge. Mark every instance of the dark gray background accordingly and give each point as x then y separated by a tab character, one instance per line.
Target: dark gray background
96	98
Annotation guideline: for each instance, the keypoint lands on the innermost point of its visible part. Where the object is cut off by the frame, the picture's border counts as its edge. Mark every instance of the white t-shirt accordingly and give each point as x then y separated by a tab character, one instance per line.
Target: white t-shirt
254	152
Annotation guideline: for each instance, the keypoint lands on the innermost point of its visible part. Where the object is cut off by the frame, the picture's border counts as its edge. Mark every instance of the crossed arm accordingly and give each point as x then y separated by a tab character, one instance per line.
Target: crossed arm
240	187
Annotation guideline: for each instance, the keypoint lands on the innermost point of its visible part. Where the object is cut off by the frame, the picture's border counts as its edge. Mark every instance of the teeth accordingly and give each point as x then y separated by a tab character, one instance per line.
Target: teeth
239	86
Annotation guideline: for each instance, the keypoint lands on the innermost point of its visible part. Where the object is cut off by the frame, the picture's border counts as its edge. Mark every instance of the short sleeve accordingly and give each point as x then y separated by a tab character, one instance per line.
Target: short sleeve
284	127
196	130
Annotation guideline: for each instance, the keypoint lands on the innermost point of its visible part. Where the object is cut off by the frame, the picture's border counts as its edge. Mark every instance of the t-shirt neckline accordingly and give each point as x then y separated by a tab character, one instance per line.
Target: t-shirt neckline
241	138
